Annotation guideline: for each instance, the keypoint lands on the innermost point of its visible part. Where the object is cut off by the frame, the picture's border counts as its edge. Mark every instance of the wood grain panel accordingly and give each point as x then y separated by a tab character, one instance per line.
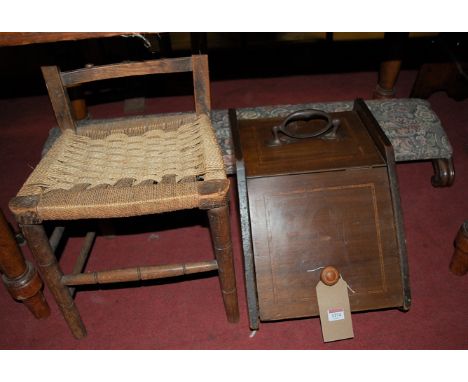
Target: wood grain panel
304	222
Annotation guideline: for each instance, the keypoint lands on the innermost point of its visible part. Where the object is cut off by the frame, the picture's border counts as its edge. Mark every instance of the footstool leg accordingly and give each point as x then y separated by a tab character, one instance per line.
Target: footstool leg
444	172
52	275
221	237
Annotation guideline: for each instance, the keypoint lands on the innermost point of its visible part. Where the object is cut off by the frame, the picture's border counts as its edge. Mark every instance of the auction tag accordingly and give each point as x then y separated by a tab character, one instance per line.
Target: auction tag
335	312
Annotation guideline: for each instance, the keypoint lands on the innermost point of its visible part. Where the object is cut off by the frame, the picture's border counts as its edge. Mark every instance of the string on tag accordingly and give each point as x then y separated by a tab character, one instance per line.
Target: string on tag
146	42
315	269
352	291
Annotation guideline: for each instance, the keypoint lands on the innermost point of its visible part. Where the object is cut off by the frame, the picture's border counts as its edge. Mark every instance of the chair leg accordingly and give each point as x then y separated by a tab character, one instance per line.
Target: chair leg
52	275
221	237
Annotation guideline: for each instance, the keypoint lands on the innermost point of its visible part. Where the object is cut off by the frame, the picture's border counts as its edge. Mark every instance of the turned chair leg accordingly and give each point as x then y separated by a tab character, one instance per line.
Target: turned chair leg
52	275
221	237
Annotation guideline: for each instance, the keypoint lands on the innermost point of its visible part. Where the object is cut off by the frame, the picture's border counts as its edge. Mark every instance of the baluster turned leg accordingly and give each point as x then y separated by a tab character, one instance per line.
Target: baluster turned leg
391	63
52	274
221	236
19	276
388	75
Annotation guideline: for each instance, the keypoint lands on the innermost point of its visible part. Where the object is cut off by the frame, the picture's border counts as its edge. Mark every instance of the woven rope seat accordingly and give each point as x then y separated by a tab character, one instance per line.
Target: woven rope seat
127	167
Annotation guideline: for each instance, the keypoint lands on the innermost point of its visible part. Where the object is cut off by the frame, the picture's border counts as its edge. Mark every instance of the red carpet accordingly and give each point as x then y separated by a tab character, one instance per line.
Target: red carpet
190	314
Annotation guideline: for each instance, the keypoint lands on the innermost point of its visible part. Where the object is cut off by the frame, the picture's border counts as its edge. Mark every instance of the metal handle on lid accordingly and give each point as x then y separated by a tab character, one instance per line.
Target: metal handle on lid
303	115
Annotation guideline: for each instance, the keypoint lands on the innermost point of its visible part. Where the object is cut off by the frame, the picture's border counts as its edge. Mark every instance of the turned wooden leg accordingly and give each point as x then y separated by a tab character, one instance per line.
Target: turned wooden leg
459	262
388	75
221	237
78	103
52	274
444	172
19	276
393	46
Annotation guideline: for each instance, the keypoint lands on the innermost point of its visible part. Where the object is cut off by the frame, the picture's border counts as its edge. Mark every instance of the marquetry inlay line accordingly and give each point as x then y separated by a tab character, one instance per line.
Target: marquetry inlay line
270	258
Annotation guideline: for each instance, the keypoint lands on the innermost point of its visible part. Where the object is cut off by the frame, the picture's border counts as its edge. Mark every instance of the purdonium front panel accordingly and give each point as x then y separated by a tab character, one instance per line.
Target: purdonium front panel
314	202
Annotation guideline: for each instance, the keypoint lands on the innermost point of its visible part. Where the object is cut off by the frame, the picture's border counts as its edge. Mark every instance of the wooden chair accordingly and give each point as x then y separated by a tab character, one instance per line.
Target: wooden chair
127	167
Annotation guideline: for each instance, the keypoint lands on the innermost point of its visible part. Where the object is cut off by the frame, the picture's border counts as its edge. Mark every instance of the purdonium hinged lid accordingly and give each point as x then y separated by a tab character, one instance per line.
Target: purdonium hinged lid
318	190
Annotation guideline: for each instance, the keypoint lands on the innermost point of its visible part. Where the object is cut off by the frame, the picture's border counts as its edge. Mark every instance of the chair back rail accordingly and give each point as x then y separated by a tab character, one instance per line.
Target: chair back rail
57	82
